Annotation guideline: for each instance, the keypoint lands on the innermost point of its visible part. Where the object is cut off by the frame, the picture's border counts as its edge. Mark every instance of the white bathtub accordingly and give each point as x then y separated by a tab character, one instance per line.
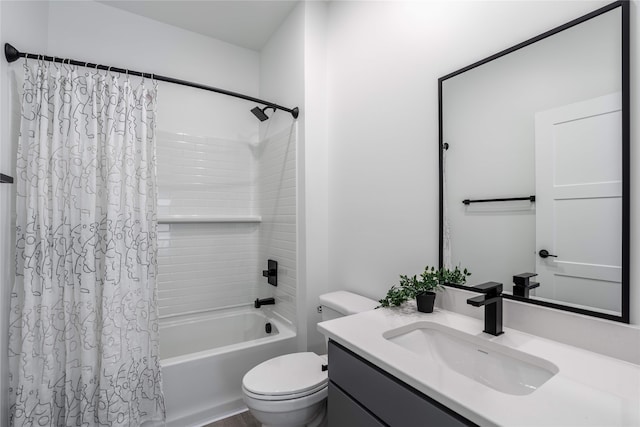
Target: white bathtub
205	356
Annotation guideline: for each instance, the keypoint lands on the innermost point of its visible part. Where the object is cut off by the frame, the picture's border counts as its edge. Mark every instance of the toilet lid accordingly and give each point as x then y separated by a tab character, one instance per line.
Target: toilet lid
288	374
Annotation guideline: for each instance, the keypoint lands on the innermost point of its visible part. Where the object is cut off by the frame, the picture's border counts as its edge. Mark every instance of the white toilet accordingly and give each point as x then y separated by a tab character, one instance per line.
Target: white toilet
291	390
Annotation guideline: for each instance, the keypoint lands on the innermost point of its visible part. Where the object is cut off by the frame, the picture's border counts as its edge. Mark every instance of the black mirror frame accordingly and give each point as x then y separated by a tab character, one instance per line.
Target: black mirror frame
625	161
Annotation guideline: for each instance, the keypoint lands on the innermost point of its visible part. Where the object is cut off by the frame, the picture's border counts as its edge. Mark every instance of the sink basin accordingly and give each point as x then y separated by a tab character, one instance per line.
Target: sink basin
502	368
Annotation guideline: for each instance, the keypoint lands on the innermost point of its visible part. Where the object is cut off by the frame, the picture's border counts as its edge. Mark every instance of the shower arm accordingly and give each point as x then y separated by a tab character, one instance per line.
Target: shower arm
12	54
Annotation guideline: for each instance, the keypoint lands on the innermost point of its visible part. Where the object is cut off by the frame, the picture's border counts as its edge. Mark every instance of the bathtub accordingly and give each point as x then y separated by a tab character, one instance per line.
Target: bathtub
205	356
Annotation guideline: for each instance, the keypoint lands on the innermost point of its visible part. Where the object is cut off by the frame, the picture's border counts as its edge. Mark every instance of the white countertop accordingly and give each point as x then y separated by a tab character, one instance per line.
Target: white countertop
589	390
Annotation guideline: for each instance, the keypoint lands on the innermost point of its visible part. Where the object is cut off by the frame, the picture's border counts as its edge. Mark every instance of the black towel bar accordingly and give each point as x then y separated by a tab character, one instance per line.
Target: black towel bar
508	199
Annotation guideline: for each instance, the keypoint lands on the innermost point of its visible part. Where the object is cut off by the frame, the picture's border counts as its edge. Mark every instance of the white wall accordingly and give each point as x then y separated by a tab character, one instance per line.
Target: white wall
316	171
383	128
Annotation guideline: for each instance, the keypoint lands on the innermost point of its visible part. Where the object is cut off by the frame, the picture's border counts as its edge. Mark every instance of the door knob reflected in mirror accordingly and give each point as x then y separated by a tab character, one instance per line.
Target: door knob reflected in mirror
545	254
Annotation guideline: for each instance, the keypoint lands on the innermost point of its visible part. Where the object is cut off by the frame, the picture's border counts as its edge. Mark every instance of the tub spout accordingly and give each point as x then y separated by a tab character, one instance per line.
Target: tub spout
264	301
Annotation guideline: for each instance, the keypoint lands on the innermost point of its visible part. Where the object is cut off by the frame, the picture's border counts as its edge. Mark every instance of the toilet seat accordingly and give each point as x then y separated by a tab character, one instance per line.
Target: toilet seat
286	377
300	408
281	397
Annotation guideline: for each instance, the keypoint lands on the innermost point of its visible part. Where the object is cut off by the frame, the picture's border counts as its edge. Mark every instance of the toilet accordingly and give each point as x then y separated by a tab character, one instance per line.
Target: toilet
291	390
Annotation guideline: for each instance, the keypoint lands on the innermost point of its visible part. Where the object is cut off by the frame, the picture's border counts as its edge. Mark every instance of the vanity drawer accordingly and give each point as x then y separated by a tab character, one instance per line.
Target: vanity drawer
346	412
389	399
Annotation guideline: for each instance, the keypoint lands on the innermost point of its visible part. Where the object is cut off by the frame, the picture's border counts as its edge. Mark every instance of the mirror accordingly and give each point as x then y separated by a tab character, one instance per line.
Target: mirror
534	167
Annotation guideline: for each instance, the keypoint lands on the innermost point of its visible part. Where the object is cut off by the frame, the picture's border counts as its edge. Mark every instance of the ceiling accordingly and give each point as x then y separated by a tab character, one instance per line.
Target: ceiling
246	23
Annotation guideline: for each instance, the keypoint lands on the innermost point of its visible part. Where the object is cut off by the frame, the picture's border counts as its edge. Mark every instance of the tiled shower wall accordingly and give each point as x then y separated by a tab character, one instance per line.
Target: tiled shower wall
204	176
209	265
205	265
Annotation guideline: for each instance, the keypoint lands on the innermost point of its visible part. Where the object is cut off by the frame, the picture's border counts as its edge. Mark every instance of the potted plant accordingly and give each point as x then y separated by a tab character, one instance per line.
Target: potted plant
423	288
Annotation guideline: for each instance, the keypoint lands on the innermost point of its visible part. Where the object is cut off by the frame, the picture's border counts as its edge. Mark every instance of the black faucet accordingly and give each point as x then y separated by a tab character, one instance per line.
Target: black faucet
264	301
492	302
522	284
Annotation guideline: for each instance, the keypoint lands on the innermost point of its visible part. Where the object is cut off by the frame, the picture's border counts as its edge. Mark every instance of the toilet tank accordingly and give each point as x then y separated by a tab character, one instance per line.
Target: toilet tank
343	303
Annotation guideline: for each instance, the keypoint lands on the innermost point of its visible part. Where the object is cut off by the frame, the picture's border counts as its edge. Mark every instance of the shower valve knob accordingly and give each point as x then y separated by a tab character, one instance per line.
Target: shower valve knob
271	273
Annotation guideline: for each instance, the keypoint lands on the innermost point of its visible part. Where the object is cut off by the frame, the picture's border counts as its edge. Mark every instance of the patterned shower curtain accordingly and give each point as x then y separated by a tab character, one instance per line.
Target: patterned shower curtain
83	333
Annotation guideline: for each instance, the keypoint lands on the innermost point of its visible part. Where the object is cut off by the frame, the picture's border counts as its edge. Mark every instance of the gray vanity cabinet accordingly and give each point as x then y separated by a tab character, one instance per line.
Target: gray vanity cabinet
344	411
361	394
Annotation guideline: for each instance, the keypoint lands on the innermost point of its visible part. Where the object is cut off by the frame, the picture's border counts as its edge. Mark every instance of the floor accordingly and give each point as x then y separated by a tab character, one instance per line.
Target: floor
243	419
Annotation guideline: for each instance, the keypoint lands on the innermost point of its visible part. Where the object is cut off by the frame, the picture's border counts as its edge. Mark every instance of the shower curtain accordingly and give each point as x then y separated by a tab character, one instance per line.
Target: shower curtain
83	338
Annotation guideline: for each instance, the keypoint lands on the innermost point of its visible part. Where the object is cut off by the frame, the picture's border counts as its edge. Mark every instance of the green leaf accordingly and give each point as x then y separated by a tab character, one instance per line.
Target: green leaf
430	280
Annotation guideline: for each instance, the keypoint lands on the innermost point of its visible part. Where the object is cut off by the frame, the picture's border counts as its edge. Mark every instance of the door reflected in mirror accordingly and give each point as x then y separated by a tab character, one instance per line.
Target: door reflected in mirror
535	180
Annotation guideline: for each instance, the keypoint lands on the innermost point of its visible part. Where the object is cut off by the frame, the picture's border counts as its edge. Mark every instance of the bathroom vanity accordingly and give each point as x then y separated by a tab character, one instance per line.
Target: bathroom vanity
399	367
380	400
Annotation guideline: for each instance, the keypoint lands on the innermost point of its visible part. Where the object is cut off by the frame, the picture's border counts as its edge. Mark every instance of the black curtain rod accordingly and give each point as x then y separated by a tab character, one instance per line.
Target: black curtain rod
12	54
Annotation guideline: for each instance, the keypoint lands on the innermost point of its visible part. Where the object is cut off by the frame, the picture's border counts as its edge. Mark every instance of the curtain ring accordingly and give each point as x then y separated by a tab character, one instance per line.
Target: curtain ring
119	74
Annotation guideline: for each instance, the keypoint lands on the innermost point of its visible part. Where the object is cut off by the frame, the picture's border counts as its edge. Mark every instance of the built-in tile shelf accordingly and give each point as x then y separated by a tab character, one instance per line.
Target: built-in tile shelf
172	219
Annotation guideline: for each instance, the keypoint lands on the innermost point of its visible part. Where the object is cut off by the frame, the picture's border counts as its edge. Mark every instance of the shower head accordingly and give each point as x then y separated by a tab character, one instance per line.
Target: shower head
260	113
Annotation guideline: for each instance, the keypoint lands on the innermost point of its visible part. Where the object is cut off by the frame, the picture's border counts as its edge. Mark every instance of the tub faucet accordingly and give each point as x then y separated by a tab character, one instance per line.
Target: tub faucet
264	301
